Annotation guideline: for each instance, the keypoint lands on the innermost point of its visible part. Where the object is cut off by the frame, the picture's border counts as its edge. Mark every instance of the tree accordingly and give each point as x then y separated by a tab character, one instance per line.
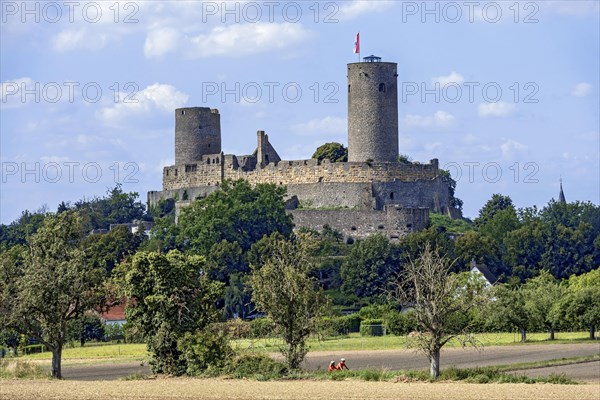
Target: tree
369	267
448	180
542	295
440	299
117	207
481	248
499	225
283	288
524	249
54	284
334	152
411	246
235	213
581	304
508	309
170	296
497	203
19	230
108	250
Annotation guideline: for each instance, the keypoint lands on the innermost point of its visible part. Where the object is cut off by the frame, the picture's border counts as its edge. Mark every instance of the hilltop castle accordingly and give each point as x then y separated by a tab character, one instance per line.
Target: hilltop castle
371	193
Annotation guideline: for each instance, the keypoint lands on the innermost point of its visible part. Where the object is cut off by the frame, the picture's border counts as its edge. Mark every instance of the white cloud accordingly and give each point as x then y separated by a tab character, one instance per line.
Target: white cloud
582	89
510	147
454	77
232	40
78	39
156	97
499	109
323	126
441	119
160	42
353	9
11	92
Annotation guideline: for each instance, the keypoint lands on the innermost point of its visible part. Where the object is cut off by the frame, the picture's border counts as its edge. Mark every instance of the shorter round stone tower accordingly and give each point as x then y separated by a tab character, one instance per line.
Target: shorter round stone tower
197	133
372	111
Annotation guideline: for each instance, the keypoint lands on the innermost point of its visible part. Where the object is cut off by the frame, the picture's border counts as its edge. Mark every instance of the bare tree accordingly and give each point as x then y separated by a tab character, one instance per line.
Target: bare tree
441	300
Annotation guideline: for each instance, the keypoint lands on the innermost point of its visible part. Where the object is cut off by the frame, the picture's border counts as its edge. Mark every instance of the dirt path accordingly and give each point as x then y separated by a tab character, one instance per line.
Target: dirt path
392	359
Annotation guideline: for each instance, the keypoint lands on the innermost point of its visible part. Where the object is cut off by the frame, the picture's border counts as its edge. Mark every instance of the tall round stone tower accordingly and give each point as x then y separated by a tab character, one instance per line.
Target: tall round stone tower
372	111
197	133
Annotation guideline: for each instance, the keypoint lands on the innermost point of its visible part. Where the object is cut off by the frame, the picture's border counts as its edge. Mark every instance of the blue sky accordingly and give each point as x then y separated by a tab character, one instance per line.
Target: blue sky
504	94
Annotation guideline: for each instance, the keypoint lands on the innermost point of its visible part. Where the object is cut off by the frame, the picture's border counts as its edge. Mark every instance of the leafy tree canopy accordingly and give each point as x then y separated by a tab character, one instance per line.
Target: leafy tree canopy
50	284
334	152
169	298
497	203
284	289
369	267
235	213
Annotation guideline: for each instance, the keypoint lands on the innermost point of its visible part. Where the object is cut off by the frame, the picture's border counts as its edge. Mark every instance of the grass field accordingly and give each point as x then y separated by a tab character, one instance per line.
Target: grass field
187	388
355	342
127	352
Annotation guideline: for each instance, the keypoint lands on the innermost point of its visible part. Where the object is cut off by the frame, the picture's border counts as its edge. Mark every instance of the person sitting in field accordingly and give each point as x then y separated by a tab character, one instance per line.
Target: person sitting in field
331	367
342	364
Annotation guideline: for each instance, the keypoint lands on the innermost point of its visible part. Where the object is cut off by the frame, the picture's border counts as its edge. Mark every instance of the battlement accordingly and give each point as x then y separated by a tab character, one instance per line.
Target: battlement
213	169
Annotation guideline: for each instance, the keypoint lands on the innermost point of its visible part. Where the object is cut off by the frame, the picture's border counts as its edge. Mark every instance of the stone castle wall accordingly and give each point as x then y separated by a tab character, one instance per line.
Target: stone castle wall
393	222
295	172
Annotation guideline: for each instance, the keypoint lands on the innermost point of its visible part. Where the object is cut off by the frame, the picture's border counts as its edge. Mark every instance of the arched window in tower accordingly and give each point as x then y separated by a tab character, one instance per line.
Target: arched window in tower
391	195
382	87
348	88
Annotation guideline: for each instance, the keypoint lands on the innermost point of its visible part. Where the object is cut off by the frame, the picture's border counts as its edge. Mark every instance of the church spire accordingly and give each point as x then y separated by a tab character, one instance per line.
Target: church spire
561	196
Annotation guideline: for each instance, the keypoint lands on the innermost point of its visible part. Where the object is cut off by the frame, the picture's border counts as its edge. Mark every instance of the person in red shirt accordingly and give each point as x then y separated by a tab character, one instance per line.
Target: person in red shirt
342	364
331	367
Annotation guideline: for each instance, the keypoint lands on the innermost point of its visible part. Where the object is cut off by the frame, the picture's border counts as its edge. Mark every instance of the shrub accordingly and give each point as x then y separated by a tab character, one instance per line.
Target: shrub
335	326
10	369
235	328
372	327
252	365
262	327
399	323
375	311
204	352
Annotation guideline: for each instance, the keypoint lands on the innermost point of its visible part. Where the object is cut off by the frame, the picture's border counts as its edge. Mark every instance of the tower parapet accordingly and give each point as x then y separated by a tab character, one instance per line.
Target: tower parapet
372	111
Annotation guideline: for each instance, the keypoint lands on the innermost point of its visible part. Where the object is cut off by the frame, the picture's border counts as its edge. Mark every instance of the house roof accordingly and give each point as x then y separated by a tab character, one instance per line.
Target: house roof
487	274
114	313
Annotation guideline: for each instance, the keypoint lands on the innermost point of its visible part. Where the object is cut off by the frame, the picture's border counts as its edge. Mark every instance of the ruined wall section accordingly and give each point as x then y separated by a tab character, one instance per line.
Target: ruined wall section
393	222
357	196
430	193
296	172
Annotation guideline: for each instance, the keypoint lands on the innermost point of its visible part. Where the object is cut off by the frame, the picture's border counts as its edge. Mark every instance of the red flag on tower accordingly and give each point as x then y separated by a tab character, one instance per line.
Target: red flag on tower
357	44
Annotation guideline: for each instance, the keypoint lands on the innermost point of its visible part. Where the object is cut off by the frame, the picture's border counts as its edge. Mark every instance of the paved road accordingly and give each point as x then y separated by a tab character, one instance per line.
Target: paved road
394	360
463	358
585	372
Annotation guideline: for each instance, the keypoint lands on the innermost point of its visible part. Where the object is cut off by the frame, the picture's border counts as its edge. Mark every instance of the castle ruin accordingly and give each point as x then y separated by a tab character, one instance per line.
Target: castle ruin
371	193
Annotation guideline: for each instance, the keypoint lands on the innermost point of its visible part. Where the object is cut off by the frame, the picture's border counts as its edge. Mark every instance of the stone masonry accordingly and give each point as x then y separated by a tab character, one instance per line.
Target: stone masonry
372	193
